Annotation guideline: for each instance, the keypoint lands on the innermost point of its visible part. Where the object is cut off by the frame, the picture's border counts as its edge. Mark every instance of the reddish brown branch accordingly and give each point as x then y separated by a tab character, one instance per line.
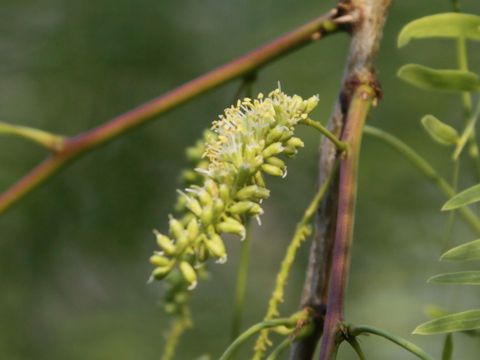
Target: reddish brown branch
240	67
352	135
366	19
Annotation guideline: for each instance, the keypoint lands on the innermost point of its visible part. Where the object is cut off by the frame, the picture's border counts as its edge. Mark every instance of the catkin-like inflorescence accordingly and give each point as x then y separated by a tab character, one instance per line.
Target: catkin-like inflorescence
228	184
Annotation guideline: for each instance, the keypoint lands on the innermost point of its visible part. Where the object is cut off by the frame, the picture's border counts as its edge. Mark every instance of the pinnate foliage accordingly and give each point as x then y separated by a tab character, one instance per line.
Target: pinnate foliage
457	26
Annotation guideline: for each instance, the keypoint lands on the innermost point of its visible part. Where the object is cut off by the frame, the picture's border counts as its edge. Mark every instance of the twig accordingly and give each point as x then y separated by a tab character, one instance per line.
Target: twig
289	322
407	345
470	218
242	66
48	140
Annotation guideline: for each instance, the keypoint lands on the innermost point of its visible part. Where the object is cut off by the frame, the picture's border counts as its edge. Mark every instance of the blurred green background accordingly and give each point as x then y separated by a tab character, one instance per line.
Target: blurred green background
74	254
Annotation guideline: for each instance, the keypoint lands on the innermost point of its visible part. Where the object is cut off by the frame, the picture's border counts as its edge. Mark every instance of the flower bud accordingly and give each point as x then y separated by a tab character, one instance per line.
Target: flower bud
232	226
312	102
212	188
272	170
243	207
276	161
256	163
290	151
218	207
252	191
176	227
295	141
259	179
276	133
224	192
189	274
194	206
286	135
160	272
250	152
159	261
216	246
256	210
205	198
243	173
207	215
165	243
192	229
273	149
202	252
182	243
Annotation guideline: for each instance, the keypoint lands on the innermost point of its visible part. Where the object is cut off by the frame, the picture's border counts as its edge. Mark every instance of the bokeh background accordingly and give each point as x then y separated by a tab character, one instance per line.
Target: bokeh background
74	254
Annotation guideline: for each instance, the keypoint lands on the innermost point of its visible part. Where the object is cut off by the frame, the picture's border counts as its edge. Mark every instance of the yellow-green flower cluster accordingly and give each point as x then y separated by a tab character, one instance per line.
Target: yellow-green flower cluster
244	143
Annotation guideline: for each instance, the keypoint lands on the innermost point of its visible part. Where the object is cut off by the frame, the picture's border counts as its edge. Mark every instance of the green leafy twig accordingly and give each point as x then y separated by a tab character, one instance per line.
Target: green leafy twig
285	344
470	218
288	322
407	345
48	140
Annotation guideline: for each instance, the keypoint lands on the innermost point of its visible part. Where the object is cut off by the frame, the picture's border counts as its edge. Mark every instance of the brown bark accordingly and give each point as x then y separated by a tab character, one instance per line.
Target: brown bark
365	20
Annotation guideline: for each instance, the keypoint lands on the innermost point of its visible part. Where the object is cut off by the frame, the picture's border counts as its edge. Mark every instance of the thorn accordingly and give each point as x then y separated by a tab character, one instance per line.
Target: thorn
345	19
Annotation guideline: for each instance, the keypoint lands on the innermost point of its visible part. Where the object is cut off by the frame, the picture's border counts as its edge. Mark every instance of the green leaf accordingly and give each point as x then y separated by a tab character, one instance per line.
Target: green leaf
459	278
431	79
448	25
434	312
439	131
447	348
468	196
467	320
465	252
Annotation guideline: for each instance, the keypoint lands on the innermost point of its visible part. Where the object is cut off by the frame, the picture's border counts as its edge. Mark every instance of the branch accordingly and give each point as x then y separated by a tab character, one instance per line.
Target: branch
366	18
352	135
241	67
